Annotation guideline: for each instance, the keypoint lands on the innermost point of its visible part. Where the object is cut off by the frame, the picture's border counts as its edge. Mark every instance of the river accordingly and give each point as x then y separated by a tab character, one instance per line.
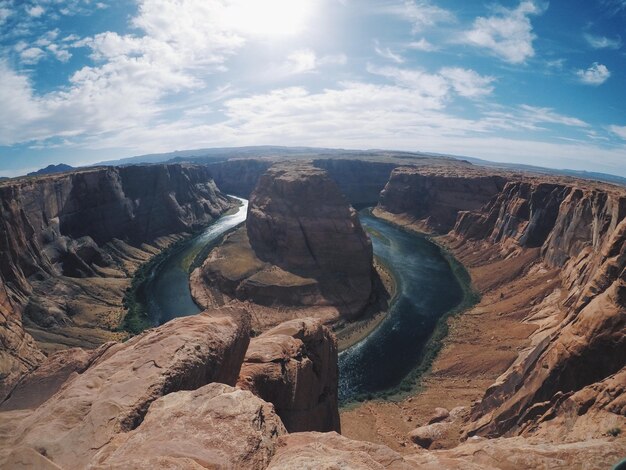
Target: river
426	289
167	288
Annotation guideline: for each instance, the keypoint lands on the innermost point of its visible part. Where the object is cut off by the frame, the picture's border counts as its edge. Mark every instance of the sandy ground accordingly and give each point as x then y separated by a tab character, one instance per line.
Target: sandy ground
482	343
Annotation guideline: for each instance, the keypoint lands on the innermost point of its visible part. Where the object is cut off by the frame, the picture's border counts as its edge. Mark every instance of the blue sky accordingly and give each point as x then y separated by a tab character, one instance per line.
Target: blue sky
531	81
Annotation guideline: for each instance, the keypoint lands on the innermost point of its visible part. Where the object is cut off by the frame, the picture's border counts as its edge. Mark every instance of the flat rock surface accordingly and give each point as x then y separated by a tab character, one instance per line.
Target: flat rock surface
215	426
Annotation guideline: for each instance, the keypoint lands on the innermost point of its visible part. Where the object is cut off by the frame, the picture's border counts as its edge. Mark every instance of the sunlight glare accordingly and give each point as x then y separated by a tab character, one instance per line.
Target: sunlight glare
269	17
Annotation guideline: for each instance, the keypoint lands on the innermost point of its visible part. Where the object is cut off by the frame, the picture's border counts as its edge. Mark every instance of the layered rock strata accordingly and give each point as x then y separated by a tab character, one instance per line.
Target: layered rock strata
303	246
576	341
294	366
71	243
113	395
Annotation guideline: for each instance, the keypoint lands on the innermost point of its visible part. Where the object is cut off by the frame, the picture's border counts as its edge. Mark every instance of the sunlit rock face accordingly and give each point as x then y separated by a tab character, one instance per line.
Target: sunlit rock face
294	366
299	221
575	226
71	242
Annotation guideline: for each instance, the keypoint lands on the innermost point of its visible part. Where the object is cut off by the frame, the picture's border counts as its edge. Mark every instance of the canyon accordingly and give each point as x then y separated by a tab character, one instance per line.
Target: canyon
303	247
532	376
71	244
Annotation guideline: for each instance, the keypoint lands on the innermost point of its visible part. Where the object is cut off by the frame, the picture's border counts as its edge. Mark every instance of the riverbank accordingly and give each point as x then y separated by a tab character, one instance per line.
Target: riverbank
479	345
349	334
180	256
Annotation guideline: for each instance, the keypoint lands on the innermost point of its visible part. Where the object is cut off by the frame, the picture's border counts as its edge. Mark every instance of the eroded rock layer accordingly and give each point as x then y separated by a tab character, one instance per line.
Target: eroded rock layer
299	221
303	246
71	243
573	228
113	395
294	366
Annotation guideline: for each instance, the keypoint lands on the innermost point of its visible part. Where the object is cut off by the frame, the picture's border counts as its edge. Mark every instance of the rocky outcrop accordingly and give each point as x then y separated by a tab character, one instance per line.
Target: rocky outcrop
71	243
330	450
215	426
299	221
44	381
18	351
294	367
576	227
360	181
303	246
437	195
113	395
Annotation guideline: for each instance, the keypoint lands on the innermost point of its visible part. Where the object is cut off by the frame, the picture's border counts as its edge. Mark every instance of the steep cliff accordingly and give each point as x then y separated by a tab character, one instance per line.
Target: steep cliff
360	181
576	327
303	246
70	243
294	367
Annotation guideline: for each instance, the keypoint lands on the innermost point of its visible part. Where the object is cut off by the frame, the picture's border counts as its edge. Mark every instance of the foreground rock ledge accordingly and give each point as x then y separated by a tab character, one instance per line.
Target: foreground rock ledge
114	394
294	366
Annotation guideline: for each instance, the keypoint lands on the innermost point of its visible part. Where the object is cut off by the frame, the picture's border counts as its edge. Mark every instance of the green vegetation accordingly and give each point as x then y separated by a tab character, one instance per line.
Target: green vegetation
136	319
614	432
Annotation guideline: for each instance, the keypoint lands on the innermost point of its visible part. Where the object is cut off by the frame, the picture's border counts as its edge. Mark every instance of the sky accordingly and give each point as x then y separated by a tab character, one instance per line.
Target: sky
533	81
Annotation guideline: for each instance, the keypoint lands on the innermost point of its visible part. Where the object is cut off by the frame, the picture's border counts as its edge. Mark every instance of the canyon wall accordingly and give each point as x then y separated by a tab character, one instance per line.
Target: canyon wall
303	246
577	228
360	181
71	242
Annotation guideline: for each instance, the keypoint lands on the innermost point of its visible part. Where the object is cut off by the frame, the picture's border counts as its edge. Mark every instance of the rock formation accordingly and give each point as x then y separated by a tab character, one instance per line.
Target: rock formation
303	246
294	366
71	243
577	229
215	426
113	395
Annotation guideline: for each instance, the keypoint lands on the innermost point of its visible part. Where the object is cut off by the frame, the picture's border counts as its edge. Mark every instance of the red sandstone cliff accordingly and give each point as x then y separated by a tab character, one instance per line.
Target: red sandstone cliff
579	228
70	243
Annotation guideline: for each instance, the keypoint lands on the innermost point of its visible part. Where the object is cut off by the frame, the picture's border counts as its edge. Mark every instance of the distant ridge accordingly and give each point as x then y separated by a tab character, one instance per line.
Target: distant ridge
50	169
211	155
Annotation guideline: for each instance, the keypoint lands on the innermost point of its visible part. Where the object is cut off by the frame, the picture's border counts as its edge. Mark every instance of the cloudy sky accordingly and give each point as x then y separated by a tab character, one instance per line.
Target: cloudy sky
528	81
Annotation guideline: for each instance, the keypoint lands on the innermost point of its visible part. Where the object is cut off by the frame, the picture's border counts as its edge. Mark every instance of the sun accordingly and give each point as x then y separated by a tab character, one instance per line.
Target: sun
269	17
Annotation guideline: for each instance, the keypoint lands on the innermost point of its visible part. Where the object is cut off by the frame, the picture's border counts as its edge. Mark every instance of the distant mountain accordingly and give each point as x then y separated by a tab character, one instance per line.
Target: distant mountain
50	169
223	153
211	155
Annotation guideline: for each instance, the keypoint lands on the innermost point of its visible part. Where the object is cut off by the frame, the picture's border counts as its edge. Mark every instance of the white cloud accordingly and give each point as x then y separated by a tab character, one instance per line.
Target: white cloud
548	115
131	76
529	118
35	11
468	83
303	60
437	87
422	45
619	131
508	34
387	53
601	42
32	55
4	14
596	74
422	14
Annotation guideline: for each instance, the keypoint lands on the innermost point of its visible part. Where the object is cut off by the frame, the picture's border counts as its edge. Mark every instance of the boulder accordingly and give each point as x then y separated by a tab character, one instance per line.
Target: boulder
113	395
440	414
294	366
426	436
215	426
